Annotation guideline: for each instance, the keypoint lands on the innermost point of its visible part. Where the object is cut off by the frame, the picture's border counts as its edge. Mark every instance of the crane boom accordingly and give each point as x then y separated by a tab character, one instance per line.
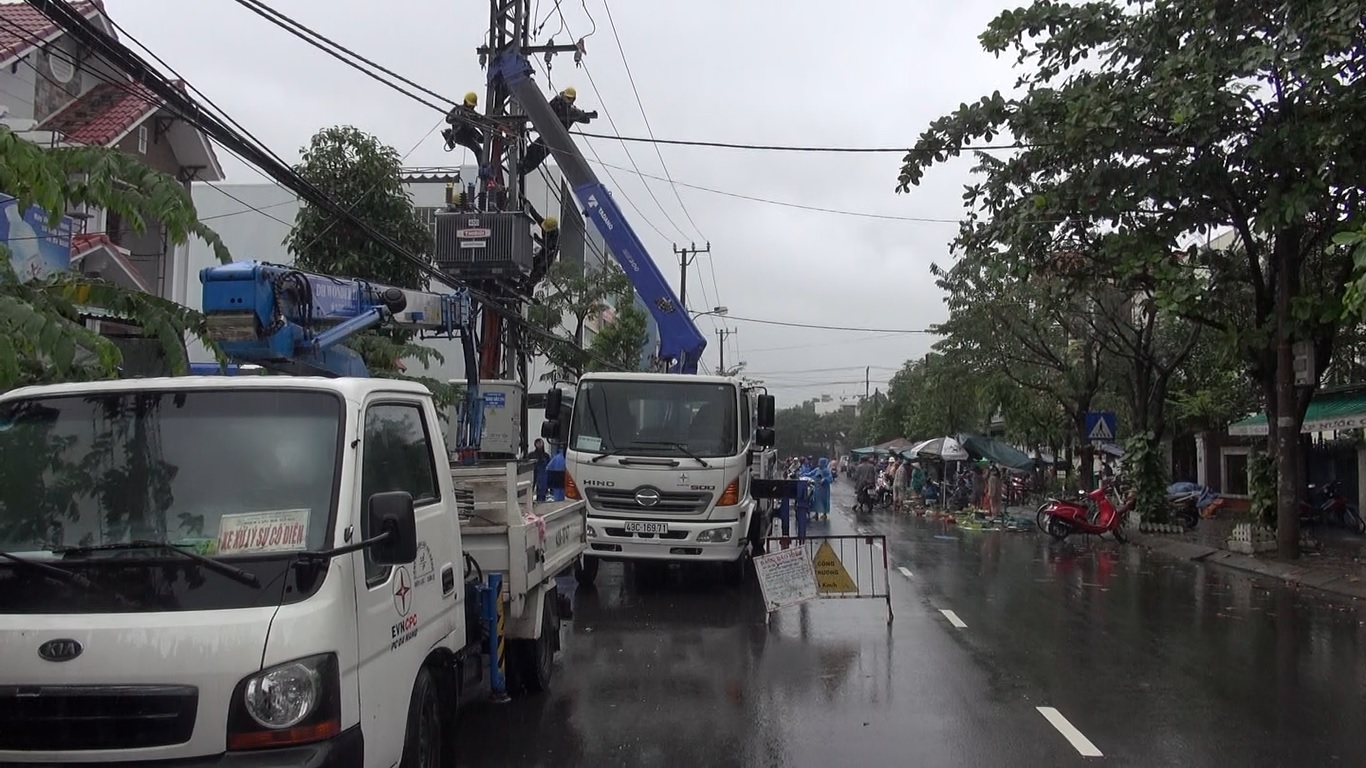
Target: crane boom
681	343
294	322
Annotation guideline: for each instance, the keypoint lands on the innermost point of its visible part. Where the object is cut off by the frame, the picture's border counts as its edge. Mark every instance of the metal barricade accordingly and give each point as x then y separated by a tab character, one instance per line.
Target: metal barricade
847	567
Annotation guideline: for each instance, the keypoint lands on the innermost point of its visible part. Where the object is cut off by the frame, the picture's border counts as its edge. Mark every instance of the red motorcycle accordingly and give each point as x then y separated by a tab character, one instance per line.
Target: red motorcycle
1095	514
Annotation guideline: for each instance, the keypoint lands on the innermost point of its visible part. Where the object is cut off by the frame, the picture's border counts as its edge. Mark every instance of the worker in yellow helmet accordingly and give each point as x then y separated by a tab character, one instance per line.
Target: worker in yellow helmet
463	131
563	107
563	104
546	249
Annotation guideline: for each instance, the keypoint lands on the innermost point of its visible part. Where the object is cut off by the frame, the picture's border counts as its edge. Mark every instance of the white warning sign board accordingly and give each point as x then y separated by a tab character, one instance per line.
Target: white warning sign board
786	577
831	575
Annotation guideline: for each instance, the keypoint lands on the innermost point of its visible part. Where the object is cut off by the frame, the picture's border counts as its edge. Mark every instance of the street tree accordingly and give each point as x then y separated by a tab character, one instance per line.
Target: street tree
1144	123
568	297
1030	331
365	175
43	337
620	343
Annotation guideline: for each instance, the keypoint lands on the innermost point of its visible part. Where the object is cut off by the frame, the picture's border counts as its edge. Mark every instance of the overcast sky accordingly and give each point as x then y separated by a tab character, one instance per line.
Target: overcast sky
793	72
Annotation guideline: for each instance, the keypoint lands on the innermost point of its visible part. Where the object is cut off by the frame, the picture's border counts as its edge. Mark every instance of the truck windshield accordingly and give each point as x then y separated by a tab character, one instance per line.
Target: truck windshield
656	418
221	472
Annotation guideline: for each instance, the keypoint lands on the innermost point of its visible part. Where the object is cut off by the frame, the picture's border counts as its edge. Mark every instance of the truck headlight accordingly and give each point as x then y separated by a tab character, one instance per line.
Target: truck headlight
283	696
714	536
297	702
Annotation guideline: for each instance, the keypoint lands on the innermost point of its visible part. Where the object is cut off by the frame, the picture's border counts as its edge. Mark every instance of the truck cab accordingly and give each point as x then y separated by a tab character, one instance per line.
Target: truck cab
249	570
663	462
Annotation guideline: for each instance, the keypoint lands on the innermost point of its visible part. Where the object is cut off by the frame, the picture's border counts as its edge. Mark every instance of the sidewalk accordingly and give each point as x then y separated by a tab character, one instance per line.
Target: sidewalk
1338	567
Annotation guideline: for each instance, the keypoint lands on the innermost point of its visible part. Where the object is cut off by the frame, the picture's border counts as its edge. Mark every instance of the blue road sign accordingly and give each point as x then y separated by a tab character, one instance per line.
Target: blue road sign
1101	426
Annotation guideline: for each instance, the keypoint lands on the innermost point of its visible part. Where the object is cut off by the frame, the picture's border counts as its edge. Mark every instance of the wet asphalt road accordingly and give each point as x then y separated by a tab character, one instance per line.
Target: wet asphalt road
1146	660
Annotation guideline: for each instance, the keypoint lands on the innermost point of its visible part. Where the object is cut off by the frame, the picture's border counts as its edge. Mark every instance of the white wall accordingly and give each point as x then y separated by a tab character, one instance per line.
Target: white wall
17	84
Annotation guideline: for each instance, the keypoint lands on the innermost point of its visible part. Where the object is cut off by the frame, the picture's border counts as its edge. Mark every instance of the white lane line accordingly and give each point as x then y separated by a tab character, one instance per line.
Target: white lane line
953	618
1070	732
904	571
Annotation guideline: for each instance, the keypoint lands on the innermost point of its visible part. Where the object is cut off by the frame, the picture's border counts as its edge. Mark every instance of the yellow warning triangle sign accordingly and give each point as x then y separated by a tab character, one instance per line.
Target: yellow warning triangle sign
831	575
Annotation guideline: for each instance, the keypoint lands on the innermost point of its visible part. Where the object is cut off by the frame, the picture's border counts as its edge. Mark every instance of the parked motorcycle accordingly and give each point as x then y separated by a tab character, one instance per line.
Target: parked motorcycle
1184	502
1095	514
1328	505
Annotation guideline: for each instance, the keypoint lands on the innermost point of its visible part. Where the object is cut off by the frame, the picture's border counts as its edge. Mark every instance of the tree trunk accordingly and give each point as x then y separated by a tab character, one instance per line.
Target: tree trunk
1286	425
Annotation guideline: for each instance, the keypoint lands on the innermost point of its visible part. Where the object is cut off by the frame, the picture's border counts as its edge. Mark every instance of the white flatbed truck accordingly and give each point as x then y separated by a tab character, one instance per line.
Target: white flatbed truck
260	571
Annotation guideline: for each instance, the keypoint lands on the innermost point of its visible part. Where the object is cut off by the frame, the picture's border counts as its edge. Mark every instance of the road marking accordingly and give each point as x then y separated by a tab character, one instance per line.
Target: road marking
953	618
904	571
1070	732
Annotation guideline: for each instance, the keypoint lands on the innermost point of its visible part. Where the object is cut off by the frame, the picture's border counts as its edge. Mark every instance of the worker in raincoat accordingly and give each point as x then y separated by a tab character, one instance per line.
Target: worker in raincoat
823	477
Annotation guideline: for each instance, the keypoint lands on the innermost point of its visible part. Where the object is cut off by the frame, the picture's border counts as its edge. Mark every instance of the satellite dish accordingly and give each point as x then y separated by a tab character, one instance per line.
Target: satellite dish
62	64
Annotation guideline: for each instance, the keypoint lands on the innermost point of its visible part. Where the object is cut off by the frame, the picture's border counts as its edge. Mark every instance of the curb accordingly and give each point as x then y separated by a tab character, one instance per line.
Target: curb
1335	583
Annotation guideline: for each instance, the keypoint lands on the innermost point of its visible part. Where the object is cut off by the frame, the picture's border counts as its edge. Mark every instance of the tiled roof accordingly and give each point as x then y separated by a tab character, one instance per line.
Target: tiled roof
23	26
104	114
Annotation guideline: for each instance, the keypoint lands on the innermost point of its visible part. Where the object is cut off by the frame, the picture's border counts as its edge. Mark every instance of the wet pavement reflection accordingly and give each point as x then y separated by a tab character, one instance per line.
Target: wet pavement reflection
1150	661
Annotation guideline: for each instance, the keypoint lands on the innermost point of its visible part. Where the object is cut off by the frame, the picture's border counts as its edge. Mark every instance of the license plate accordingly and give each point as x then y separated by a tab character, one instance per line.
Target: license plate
636	527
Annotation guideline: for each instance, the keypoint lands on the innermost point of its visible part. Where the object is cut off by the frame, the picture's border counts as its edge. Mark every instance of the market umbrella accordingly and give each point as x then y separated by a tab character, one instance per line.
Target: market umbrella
945	448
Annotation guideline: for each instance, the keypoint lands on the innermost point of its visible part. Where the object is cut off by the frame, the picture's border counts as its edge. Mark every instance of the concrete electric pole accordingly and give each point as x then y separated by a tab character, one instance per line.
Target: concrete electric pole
722	334
686	256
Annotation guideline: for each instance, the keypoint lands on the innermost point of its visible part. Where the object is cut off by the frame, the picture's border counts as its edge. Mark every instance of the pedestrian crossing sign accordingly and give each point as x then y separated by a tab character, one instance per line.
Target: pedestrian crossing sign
1100	427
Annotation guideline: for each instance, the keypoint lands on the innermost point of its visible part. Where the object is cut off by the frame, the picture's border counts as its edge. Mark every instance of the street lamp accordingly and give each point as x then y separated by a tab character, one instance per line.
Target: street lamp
717	311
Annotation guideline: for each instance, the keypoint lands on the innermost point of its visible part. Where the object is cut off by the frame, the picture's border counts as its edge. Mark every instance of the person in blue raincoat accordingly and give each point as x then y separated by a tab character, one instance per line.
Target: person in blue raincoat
823	477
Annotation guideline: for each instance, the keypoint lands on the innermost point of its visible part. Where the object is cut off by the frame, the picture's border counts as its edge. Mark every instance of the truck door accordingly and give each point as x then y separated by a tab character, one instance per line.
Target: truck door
401	610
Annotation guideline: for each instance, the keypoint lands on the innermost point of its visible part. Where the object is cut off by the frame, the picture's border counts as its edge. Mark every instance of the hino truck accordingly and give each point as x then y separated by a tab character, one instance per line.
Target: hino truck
261	570
663	460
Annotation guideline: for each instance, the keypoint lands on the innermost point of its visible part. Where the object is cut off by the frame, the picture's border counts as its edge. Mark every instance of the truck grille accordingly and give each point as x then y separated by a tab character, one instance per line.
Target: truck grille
76	717
670	503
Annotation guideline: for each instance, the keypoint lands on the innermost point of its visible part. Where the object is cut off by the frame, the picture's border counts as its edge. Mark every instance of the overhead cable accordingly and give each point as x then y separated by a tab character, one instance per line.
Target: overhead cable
175	100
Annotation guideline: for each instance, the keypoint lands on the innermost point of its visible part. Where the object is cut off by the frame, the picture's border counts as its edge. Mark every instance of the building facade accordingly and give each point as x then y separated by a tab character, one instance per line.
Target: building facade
56	93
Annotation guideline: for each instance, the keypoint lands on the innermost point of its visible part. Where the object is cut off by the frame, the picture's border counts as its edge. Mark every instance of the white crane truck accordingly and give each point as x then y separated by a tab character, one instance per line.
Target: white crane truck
265	570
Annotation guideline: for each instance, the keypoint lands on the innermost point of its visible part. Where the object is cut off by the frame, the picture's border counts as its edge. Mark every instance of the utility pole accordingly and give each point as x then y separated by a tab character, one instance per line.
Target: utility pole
867	380
722	334
686	256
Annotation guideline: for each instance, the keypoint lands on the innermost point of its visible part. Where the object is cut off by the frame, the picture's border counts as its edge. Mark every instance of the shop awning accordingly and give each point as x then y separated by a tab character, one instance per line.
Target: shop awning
1328	412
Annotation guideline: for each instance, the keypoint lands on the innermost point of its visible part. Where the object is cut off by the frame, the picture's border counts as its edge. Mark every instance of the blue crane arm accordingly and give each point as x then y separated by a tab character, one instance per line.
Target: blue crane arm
681	344
294	322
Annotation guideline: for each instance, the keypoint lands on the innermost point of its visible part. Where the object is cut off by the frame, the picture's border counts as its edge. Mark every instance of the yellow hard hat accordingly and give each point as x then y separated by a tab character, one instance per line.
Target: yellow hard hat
549	223
570	93
471	99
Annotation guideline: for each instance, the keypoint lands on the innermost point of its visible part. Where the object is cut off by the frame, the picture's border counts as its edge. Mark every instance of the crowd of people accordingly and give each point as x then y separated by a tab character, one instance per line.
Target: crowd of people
908	482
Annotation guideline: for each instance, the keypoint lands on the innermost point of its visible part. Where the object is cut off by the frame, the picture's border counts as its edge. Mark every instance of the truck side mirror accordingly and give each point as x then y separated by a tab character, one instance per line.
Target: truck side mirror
391	512
766	408
764	437
553	401
550	430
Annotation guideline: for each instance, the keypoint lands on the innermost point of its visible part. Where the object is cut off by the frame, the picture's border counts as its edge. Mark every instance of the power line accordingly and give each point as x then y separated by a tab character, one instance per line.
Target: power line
786	324
177	101
603	106
798	206
307	34
790	147
313	38
631	78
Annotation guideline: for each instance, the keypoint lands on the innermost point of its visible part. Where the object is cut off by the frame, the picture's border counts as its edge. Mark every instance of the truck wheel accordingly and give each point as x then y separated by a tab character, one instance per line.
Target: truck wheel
532	662
734	572
424	744
586	570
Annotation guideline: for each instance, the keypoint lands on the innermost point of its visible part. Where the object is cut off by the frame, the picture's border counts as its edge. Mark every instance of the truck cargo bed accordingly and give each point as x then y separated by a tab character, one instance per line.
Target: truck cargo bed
504	530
